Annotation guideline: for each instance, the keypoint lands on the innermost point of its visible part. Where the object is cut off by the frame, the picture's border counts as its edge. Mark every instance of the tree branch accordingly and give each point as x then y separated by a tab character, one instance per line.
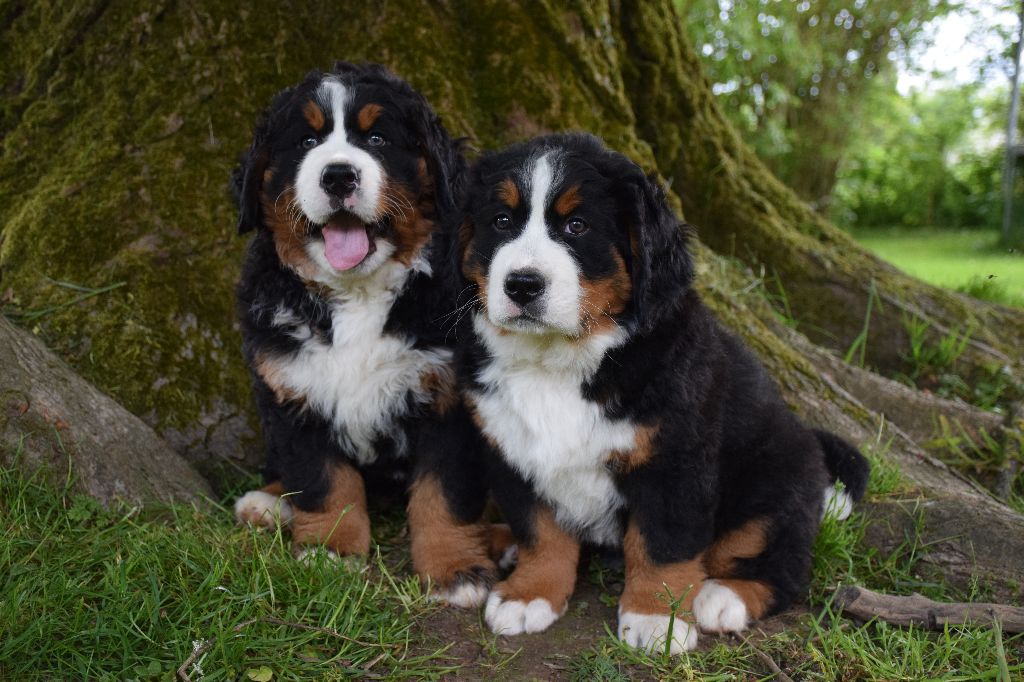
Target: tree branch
918	610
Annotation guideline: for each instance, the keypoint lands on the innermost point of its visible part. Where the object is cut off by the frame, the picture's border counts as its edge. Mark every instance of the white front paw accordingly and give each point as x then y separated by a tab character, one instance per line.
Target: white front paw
258	508
650	631
515	617
465	595
718	608
313	554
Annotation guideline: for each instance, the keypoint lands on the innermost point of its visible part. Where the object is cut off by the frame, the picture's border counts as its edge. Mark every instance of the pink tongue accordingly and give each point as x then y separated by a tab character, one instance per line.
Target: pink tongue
345	247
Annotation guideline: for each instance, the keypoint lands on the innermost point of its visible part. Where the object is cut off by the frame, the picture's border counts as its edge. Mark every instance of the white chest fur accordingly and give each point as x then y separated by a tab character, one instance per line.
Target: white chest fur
359	379
548	432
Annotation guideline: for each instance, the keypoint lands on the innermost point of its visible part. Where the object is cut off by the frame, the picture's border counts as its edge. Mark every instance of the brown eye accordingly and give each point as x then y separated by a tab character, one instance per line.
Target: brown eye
502	222
575	227
376	140
309	142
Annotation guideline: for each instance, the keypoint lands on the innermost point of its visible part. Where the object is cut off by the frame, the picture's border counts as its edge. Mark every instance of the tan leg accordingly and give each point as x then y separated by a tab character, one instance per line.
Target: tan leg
645	608
727	604
343	524
451	557
264	508
537	593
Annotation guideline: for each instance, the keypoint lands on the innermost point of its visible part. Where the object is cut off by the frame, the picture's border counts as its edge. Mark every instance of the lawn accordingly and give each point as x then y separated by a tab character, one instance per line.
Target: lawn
88	593
968	261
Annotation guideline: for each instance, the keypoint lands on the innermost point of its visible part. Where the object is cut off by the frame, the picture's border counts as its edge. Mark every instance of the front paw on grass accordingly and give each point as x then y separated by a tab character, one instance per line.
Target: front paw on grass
468	590
650	632
314	555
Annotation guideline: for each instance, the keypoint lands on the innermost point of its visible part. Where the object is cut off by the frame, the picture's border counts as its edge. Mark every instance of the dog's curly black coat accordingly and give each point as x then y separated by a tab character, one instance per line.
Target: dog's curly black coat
309	329
722	481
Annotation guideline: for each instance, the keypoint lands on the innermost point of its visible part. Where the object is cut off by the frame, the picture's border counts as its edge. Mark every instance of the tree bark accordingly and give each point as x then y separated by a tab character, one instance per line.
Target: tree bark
1011	236
55	423
147	106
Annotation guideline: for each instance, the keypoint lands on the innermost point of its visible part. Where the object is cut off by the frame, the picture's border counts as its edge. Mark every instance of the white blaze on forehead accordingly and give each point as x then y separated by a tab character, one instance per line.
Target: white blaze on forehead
336	148
539	179
534	249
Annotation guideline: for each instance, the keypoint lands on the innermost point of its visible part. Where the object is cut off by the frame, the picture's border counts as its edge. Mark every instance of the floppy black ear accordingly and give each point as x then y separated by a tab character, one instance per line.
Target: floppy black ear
247	183
662	268
247	177
444	156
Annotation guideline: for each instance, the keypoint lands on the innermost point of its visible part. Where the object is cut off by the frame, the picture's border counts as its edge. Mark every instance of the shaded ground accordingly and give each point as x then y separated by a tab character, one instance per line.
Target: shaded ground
556	653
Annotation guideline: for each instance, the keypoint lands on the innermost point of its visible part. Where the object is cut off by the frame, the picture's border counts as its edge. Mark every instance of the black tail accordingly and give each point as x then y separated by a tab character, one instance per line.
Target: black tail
845	463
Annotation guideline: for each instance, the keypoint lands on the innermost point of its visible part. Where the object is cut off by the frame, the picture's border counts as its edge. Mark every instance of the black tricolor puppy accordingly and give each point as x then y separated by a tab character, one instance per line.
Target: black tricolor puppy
348	183
621	412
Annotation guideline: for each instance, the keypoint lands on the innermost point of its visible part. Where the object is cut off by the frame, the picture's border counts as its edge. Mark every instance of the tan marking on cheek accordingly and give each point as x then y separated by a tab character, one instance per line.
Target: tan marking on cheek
508	192
272	372
412	228
289	233
569	201
314	115
624	461
745	542
646	581
443	549
757	596
440	384
268	175
546	568
368	115
472	269
342	524
604	298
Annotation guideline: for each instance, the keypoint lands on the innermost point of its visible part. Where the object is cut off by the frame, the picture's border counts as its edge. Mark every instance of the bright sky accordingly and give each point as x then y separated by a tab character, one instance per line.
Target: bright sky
960	43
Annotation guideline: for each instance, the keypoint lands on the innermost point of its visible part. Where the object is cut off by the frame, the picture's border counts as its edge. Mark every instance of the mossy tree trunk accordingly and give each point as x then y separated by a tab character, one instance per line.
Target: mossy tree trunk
121	121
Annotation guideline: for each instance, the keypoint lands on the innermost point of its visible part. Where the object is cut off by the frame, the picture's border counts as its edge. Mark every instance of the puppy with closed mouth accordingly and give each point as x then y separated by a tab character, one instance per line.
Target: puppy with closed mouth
617	411
348	185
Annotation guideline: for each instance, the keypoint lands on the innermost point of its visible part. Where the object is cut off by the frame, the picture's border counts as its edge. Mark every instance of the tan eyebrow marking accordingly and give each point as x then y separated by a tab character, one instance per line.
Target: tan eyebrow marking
368	115
569	200
314	115
508	192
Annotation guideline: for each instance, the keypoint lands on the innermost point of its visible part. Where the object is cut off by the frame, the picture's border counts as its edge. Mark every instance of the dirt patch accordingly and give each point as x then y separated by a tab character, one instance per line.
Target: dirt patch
480	655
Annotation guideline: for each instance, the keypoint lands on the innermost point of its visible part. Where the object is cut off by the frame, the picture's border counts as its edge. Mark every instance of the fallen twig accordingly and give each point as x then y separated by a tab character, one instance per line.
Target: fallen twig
918	610
772	665
202	648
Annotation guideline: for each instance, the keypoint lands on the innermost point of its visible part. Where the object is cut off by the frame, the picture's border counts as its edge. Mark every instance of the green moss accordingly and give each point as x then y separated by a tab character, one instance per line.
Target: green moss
121	122
126	118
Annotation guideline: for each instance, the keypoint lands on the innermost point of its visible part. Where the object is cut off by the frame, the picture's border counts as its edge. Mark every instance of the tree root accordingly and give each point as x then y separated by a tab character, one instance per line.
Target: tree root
864	604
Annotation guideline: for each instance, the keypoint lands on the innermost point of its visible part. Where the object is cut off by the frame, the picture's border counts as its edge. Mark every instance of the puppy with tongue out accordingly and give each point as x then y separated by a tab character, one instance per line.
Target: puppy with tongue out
348	186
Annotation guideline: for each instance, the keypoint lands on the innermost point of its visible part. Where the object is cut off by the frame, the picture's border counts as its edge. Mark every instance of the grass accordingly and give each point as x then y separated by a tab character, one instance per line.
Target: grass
970	262
87	593
823	645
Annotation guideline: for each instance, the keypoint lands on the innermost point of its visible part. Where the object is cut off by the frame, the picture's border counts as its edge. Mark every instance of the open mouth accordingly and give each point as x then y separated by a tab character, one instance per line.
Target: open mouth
347	241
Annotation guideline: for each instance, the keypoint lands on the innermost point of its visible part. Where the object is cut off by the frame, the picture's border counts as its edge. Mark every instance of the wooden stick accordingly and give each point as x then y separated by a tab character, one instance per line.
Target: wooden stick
772	665
918	610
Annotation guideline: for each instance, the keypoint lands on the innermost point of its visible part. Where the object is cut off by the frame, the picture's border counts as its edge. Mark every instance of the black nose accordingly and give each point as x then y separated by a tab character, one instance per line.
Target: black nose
339	179
522	286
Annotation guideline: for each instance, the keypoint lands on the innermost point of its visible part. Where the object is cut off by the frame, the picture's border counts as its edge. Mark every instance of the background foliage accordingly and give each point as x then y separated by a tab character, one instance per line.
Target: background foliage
812	86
